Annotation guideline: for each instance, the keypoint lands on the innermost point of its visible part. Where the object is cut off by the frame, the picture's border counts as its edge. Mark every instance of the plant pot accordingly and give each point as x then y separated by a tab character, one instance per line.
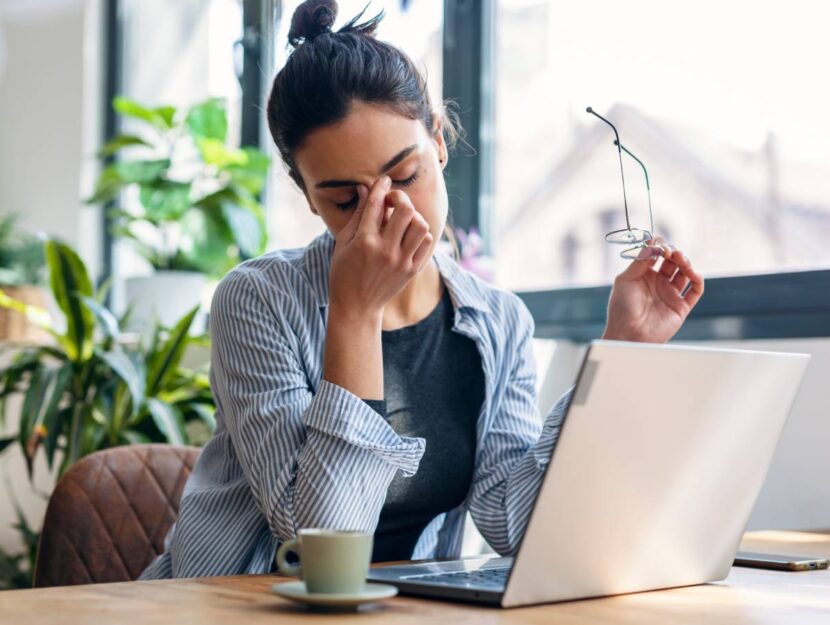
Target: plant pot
168	294
14	327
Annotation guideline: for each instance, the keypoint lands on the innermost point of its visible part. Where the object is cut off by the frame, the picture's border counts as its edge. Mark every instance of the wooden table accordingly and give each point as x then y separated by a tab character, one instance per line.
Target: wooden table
746	596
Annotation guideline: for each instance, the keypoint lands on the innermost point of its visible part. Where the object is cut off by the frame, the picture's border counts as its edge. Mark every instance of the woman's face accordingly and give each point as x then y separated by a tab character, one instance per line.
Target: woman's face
369	142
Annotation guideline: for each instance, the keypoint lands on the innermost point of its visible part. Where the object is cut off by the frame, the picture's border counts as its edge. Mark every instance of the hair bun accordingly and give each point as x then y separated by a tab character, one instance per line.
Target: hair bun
311	18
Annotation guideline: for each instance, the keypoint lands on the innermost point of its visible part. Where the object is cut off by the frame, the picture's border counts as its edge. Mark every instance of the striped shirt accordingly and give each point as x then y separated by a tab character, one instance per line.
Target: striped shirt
292	450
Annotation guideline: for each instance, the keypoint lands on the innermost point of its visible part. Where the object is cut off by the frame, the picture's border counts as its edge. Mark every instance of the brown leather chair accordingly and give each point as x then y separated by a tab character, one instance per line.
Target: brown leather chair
108	515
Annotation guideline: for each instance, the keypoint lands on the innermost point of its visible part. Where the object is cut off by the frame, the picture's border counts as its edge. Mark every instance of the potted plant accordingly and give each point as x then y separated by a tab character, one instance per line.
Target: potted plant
190	203
93	387
22	276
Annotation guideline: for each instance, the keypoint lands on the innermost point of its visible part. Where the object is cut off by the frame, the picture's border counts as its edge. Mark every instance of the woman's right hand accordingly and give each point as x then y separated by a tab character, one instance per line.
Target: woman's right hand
372	260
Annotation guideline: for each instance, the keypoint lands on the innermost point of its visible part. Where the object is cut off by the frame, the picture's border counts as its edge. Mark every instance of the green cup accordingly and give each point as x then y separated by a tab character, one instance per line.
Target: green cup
331	561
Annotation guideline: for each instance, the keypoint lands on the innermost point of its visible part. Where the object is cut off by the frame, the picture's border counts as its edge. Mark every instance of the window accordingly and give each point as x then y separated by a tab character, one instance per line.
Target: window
177	53
414	26
724	102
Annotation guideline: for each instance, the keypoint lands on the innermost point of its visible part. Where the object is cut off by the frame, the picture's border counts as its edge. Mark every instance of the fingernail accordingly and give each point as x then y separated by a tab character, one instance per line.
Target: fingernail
649	252
386	182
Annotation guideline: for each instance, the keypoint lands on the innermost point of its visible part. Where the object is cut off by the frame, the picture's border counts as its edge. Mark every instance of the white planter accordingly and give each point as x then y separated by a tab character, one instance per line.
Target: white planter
170	294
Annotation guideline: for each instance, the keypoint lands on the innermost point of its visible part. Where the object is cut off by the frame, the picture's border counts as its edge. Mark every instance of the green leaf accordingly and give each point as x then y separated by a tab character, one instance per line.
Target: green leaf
253	173
208	242
130	372
31	404
53	392
165	361
248	232
161	118
167	113
134	437
165	200
78	432
69	281
119	142
125	318
208	120
53	431
141	171
108	186
107	321
206	414
215	152
168	420
102	291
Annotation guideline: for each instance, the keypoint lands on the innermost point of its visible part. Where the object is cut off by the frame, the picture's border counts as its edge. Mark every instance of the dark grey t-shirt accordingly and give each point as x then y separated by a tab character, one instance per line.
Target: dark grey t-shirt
433	388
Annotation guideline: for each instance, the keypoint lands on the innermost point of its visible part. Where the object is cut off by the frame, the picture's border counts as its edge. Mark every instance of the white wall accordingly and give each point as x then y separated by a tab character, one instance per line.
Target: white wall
48	130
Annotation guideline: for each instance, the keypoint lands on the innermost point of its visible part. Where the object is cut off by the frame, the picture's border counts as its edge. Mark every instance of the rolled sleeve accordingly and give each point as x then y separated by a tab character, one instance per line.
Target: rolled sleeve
338	413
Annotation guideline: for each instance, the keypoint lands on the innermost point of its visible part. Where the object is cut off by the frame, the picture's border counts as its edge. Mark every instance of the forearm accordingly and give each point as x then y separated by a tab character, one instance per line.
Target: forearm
343	467
353	354
503	499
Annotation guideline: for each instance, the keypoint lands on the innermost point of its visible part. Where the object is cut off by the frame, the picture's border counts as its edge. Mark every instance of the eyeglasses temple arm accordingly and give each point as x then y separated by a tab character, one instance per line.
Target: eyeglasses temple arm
648	184
619	152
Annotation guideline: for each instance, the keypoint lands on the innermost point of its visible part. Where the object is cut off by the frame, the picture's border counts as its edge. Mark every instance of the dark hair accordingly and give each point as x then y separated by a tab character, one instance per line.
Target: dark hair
328	70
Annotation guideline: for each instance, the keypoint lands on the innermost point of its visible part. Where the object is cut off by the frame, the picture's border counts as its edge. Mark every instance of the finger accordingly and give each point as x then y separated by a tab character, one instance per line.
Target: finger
414	235
422	253
668	268
695	292
646	259
687	283
349	230
680	282
375	205
401	217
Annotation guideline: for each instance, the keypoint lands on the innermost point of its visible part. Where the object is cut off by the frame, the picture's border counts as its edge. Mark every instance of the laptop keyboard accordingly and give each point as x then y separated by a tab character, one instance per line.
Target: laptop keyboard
491	578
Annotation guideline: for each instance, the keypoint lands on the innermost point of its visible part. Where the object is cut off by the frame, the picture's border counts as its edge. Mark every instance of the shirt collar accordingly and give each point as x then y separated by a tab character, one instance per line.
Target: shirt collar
465	290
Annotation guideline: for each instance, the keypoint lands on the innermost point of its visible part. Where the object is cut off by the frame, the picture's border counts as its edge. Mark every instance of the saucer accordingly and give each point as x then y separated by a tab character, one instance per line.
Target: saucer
296	591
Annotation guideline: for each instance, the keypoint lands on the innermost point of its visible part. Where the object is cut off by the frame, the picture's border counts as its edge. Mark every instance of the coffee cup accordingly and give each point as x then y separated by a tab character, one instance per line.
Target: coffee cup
331	561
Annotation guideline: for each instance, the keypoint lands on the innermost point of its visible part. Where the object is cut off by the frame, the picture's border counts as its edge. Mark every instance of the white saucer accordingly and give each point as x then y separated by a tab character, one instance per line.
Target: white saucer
296	591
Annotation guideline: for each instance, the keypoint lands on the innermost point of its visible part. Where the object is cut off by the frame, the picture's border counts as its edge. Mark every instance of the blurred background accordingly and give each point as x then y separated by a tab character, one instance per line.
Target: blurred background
724	102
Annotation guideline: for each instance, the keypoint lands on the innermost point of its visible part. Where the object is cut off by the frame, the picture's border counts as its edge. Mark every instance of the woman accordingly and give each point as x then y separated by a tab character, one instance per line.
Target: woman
367	382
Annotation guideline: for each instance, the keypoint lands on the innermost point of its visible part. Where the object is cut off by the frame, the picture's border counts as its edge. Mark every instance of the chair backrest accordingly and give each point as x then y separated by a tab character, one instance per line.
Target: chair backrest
108	515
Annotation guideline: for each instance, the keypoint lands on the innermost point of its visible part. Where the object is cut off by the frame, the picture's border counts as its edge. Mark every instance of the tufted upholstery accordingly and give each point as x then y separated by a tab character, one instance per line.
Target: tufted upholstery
108	515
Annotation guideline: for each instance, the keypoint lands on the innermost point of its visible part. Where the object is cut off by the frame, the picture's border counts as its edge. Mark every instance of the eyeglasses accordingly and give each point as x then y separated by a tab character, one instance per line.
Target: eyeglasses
636	237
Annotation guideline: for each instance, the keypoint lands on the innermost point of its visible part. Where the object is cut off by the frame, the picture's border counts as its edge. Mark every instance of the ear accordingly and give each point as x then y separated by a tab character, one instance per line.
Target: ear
438	138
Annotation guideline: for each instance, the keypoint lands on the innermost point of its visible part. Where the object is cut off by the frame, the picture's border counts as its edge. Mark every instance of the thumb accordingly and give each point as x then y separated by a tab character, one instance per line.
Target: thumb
349	230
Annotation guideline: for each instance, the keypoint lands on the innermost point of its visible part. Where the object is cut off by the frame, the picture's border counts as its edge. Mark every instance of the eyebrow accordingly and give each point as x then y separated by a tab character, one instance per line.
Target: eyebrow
328	184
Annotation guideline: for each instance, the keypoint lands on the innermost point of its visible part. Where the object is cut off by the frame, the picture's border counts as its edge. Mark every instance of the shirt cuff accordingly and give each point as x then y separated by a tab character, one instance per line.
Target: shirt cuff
341	414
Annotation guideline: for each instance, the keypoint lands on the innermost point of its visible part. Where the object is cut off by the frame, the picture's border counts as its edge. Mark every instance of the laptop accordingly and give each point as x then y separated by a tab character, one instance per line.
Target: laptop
662	453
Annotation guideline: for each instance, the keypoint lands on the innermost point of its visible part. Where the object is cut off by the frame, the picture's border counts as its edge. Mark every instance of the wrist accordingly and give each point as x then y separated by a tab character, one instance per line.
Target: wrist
613	334
355	318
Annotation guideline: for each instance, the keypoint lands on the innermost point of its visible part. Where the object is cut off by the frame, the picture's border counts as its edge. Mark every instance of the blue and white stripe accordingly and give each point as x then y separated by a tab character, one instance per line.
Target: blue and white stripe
292	450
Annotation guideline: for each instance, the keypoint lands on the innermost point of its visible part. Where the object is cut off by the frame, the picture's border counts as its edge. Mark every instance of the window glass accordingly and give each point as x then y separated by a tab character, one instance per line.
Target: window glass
723	101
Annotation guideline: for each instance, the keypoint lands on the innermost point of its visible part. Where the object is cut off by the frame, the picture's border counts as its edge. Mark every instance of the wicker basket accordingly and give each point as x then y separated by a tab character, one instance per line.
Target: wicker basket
14	327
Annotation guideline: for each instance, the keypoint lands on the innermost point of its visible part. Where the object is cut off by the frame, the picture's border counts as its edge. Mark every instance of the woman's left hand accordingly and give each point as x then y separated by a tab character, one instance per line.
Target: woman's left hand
646	303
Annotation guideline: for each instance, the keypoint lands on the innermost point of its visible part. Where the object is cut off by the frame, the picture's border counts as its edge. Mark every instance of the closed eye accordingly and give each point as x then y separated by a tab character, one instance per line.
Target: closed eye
353	200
